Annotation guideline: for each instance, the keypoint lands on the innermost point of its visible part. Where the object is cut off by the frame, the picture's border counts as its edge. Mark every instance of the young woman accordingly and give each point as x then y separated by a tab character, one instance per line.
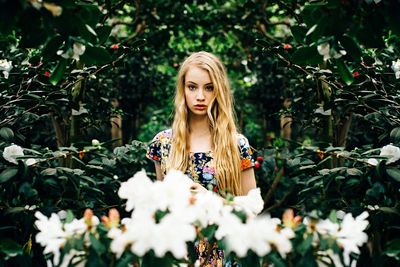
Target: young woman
204	141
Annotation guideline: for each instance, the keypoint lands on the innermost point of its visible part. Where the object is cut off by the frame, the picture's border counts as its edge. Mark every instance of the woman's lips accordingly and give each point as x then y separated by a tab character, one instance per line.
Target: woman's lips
200	107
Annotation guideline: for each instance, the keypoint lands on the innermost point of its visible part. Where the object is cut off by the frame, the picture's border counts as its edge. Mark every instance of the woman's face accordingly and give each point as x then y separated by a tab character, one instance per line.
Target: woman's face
199	90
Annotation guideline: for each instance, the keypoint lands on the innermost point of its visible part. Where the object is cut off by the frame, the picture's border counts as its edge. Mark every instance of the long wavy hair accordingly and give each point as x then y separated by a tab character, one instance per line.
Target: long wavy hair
226	155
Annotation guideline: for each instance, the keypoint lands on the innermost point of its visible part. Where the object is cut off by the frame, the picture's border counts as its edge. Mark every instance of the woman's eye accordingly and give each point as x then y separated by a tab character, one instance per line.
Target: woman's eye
191	87
210	88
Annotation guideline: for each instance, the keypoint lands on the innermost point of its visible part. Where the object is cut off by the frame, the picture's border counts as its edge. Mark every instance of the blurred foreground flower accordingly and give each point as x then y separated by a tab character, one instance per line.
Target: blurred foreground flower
167	218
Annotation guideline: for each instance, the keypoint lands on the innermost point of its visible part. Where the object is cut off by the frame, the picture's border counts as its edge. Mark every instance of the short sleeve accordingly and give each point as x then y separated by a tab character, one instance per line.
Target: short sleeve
154	149
246	153
157	149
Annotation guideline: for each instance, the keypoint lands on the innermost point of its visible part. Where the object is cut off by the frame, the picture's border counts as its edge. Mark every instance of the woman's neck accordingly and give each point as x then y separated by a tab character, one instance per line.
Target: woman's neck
200	136
199	125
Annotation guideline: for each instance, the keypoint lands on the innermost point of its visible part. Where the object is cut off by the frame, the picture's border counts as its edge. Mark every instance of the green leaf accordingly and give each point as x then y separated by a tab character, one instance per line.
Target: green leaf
393	248
7	174
305	245
277	261
15	210
352	182
10	247
394	173
58	73
138	43
49	172
306	55
103	33
126	259
97	245
351	47
344	72
394	135
95	56
49	51
262	43
299	33
7	134
250	260
354	172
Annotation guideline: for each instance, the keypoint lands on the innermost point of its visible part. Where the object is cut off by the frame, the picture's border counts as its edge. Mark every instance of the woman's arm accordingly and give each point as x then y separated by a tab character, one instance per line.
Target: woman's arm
248	180
159	172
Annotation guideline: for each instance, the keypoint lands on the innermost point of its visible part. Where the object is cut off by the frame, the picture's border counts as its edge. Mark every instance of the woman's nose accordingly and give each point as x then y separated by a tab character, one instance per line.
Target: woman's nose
200	94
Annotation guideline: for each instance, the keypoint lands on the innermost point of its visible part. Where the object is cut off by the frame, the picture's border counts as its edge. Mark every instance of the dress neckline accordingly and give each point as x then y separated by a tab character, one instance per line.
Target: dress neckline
201	152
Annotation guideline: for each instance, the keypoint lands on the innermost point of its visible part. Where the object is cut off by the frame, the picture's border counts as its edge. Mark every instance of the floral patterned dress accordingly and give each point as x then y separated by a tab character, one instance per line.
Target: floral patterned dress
201	170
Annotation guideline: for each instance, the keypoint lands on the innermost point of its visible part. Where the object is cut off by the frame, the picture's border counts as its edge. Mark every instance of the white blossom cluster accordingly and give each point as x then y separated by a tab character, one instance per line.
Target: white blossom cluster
186	211
53	234
166	215
349	236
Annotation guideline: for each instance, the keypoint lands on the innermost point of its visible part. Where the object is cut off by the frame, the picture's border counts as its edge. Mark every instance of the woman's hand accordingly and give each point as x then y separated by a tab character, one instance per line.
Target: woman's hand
197	188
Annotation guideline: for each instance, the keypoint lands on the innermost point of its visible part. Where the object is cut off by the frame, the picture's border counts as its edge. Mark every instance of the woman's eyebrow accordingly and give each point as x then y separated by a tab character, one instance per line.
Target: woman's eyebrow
196	83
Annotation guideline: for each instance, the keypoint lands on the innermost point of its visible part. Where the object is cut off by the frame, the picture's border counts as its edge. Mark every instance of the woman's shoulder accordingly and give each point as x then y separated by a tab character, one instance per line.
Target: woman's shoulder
164	136
242	140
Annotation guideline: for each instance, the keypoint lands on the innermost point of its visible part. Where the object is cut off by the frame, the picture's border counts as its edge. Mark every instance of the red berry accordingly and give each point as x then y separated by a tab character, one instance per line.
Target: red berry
260	159
47	73
356	74
115	46
257	165
287	46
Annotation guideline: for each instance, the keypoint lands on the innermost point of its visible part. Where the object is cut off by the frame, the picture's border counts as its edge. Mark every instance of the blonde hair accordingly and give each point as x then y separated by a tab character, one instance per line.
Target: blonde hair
221	117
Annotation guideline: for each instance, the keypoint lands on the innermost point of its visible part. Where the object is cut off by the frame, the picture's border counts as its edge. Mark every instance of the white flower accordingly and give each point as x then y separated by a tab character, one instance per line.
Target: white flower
351	235
252	203
396	68
120	241
82	110
6	67
10	153
373	162
143	235
257	234
206	209
172	233
174	191
30	161
139	192
95	142
328	258
74	258
327	227
324	50
393	152
76	227
51	234
77	50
